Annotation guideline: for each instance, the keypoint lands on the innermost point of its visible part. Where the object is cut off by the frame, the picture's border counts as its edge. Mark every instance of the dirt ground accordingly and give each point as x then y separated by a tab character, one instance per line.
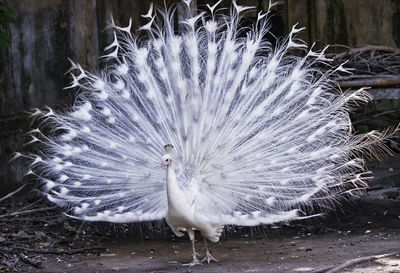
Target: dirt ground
277	254
54	243
35	236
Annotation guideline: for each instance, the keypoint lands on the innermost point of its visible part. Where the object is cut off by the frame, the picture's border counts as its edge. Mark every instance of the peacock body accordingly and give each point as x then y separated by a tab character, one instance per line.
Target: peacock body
246	133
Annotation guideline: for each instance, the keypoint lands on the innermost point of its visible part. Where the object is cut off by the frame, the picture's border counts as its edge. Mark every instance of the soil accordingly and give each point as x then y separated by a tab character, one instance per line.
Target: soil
37	237
276	254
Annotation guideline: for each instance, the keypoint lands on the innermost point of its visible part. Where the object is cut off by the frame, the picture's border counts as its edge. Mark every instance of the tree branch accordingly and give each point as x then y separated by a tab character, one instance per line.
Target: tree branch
58	251
352	262
370	82
12	193
26	211
366	48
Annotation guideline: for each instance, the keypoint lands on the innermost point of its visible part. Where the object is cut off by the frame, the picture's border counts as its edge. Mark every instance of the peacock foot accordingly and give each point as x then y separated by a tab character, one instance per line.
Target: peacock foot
209	258
194	262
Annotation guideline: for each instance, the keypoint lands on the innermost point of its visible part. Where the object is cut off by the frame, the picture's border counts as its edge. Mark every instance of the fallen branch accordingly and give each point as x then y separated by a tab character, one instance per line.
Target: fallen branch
376	82
361	77
15	213
358	121
12	193
26	259
32	219
352	262
387	203
58	251
366	48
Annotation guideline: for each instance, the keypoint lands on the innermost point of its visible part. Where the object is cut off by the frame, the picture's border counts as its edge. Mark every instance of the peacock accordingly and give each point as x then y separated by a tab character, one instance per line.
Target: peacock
210	126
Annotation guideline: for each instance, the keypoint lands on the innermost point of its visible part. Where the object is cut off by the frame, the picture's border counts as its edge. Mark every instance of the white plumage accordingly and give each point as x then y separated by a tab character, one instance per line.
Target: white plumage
253	135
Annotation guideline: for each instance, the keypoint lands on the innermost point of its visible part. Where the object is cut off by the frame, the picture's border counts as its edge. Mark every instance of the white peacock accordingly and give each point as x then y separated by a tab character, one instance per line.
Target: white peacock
247	133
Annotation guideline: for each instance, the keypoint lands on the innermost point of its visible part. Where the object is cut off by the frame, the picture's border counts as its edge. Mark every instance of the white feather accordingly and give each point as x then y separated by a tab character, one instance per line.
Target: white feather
257	135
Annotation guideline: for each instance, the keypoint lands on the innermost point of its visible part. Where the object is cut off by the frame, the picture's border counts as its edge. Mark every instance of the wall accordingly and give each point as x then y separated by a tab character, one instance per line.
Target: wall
343	22
44	34
47	32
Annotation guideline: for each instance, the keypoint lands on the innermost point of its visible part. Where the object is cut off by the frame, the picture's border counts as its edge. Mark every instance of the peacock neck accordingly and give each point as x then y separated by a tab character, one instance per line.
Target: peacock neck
173	190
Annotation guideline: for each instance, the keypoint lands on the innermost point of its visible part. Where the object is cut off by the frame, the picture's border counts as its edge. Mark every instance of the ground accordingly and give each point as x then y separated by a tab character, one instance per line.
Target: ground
276	254
37	237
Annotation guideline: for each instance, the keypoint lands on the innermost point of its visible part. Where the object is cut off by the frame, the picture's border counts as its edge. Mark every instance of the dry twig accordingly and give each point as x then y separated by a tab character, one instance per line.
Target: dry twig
26	259
12	193
361	76
358	50
386	81
352	262
15	213
384	113
59	251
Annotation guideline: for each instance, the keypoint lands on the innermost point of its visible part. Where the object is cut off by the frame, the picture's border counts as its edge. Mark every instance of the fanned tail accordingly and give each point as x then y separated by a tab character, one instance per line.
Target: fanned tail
260	133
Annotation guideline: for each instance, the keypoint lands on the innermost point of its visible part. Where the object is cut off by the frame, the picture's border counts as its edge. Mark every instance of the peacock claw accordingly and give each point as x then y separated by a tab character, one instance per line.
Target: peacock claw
193	263
209	258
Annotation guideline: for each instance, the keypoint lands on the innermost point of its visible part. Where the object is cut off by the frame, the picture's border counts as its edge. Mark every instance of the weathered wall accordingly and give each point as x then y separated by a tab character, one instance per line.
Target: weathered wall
44	34
343	22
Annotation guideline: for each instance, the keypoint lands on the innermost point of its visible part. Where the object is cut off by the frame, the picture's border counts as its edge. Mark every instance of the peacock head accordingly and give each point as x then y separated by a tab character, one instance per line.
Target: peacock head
166	159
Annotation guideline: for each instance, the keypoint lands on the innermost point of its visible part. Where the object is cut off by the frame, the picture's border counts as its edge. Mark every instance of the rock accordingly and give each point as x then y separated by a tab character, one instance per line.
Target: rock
21	235
108	254
40	235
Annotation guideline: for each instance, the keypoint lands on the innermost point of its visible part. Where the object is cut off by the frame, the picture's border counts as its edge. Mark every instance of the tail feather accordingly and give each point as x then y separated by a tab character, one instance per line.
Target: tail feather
261	132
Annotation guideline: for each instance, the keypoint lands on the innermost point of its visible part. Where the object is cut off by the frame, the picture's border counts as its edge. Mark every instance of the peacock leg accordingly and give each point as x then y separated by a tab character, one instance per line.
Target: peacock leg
195	261
208	256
